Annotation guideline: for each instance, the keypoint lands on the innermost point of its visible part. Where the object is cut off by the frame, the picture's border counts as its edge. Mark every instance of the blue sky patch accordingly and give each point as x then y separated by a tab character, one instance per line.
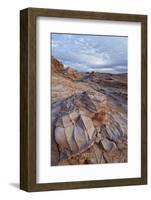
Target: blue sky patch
87	53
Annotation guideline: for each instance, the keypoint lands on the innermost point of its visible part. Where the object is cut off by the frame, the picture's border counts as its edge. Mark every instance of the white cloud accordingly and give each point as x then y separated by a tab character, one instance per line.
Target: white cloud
91	53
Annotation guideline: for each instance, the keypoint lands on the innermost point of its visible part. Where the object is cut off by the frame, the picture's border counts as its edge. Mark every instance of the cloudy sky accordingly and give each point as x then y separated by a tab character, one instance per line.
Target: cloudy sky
107	54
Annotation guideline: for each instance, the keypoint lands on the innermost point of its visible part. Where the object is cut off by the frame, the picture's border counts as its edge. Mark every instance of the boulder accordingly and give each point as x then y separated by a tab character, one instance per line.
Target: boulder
88	125
79	136
70	138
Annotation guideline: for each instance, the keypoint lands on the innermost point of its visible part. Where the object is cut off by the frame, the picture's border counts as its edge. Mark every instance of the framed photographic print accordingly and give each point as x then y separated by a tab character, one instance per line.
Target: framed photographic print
83	93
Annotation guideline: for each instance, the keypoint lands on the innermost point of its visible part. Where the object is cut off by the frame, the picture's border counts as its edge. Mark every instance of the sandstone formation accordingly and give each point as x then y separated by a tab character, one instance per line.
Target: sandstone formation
89	117
56	66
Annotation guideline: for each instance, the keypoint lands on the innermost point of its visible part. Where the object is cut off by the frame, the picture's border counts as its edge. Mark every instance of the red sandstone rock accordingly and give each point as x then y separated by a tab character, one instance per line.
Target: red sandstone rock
56	66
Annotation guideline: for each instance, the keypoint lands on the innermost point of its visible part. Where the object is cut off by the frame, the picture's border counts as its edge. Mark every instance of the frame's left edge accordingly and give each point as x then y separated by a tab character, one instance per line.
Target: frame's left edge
27	101
23	99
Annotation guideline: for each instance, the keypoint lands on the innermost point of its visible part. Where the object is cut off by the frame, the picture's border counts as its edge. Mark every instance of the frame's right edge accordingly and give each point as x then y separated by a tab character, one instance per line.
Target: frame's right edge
144	100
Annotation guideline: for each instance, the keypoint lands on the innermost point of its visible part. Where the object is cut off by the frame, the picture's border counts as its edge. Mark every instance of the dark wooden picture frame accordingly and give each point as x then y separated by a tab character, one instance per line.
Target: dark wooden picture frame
28	99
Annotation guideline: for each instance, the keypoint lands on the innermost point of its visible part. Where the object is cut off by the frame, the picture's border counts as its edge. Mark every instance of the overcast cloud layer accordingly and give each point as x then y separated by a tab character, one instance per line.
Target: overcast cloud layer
106	54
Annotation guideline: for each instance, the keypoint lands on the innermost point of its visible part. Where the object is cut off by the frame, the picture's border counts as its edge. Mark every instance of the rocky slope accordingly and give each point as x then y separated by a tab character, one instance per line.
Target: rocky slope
89	117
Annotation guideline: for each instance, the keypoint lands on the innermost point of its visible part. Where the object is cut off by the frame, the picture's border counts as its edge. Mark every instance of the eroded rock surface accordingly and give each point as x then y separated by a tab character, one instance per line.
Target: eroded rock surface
89	118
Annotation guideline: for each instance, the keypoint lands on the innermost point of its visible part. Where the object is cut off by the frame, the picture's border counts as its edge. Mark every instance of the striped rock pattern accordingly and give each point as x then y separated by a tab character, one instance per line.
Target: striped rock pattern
88	116
86	131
